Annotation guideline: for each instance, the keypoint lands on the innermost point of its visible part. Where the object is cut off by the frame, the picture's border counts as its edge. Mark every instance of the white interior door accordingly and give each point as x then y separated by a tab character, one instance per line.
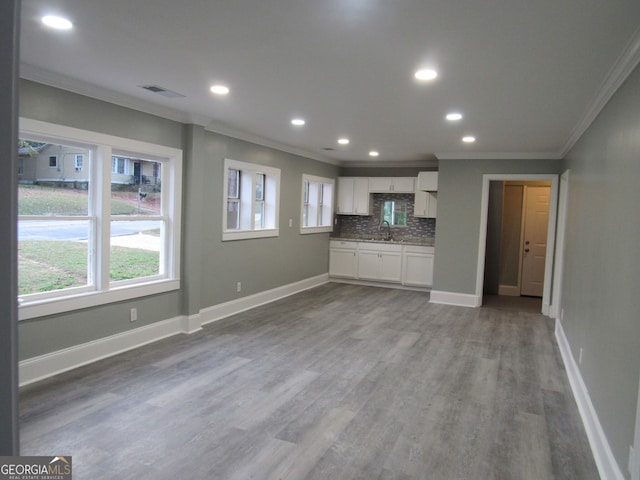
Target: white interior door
534	238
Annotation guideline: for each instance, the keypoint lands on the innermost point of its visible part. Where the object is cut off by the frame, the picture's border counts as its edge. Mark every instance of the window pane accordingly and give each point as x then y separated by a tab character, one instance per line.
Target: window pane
135	249
52	255
233	215
233	188
48	181
138	193
259	216
259	186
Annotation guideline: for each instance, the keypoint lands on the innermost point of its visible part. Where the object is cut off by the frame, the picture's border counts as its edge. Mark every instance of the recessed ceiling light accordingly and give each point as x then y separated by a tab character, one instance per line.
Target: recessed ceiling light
56	22
426	74
298	122
343	141
468	139
454	116
373	153
219	89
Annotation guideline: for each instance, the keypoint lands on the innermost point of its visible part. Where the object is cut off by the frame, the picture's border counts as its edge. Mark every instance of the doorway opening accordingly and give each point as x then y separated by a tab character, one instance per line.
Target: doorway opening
517	242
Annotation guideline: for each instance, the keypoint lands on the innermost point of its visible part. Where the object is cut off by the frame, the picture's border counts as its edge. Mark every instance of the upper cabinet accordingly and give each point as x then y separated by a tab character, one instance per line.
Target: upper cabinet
353	196
425	204
391	184
427	181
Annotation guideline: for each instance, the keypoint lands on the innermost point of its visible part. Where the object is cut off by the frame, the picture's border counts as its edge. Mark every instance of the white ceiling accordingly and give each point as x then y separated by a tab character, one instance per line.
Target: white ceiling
528	76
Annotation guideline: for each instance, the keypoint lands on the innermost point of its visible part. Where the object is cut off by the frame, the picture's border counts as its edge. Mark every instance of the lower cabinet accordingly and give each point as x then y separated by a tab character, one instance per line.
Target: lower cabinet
417	266
409	265
343	259
380	262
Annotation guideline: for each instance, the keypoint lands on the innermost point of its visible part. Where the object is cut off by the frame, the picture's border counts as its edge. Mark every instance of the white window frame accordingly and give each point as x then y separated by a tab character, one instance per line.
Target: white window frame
56	160
80	166
100	289
320	204
247	227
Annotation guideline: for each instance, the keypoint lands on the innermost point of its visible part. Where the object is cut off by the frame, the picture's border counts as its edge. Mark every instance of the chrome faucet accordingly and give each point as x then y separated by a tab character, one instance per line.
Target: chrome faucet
388	238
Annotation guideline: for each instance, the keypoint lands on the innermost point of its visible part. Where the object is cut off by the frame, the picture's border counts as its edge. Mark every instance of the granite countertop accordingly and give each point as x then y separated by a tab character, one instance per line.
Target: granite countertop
423	242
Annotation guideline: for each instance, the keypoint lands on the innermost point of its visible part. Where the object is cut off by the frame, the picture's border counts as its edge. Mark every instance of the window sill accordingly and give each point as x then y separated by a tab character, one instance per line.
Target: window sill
307	230
245	234
52	306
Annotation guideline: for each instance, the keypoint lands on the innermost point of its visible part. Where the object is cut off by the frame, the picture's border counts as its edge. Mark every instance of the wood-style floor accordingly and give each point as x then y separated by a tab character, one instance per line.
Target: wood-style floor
341	382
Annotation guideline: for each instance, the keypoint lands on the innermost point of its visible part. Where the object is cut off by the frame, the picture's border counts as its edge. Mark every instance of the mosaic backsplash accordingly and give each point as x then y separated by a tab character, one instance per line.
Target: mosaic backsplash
356	226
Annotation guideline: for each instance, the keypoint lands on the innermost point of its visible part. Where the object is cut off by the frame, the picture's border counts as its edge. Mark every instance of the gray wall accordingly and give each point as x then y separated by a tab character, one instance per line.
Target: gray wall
601	284
512	218
458	229
211	267
494	239
9	40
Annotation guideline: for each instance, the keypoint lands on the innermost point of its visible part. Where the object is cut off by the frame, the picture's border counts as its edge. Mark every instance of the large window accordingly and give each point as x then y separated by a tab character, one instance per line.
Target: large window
252	197
317	204
89	237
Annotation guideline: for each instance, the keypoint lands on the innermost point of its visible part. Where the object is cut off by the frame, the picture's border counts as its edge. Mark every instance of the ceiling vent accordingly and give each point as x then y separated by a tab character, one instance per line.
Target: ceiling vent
162	91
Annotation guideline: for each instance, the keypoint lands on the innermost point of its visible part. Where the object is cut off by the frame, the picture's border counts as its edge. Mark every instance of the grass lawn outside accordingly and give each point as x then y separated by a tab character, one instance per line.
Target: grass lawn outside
46	265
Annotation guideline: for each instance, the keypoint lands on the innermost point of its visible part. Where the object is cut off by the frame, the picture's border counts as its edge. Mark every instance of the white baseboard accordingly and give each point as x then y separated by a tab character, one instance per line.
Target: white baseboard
366	283
44	366
222	310
453	298
606	462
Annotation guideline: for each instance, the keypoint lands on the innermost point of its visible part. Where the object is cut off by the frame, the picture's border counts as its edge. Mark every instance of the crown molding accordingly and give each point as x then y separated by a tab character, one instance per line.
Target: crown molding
621	69
499	156
64	82
429	163
228	131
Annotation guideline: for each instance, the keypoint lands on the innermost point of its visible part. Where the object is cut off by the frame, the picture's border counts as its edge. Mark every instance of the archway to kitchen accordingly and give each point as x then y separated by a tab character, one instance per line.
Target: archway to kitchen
504	264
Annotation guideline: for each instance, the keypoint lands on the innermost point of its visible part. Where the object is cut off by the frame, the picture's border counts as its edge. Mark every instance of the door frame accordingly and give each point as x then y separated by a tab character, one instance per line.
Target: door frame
551	230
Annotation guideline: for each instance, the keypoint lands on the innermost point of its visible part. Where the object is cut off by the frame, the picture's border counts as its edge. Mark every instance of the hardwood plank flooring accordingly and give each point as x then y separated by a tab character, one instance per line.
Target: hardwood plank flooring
338	382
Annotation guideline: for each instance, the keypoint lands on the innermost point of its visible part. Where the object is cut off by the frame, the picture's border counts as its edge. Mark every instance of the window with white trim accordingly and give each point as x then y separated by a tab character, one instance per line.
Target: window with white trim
79	160
82	244
317	204
251	200
53	161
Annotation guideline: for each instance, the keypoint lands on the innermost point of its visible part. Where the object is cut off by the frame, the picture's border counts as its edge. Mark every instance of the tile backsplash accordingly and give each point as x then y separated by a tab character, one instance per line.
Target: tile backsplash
357	226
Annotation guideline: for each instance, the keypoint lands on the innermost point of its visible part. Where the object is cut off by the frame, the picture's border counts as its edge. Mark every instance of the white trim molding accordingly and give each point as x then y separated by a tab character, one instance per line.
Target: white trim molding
454	298
54	363
223	310
605	461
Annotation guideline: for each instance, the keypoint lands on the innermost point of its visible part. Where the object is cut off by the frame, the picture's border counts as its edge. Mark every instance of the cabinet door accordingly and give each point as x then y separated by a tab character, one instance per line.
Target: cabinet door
428	181
361	196
380	184
346	195
420	202
390	267
368	264
418	270
432	205
403	184
342	263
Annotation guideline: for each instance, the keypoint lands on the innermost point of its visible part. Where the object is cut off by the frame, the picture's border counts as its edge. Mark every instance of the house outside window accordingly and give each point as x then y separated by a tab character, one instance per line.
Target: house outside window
317	204
118	165
20	166
252	200
80	247
79	161
53	161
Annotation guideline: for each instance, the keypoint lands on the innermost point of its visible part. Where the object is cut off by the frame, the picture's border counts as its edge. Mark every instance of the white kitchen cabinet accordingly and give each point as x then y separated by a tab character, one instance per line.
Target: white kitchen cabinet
353	196
380	262
343	259
425	204
417	268
391	184
427	181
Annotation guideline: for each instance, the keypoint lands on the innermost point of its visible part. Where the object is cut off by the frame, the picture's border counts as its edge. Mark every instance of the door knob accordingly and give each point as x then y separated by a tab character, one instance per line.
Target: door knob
526	250
527	242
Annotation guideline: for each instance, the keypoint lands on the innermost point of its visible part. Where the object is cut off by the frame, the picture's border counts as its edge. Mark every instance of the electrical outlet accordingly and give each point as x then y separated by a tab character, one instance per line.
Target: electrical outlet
580	358
290	222
239	287
133	314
